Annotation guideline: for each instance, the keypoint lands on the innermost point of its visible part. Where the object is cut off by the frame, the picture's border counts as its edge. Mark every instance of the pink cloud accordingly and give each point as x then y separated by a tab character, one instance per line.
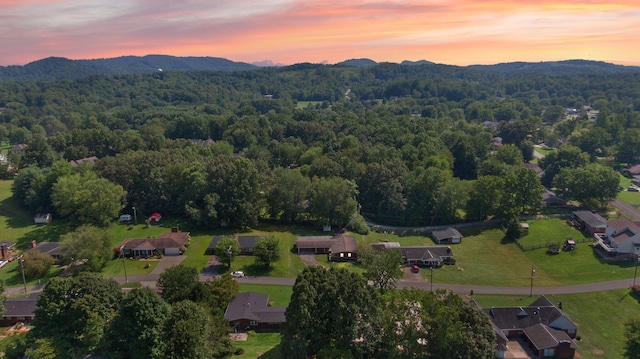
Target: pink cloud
287	31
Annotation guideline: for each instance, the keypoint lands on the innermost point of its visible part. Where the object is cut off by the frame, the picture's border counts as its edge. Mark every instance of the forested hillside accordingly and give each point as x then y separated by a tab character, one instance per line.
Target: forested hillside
405	144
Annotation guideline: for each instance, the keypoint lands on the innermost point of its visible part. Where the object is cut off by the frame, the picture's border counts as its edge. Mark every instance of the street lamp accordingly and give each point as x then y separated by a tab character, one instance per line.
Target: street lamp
135	215
533	272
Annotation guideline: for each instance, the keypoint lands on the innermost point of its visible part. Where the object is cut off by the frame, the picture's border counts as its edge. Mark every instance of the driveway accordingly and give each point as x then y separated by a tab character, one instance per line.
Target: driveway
167	262
409	276
213	266
310	260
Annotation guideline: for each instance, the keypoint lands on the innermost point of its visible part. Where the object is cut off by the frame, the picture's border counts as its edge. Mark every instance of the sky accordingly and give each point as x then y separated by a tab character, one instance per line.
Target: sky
457	32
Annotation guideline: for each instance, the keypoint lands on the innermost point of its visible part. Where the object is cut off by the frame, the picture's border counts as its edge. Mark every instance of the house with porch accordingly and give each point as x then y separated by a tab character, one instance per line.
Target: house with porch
341	247
51	248
544	327
247	244
168	244
251	311
424	256
621	237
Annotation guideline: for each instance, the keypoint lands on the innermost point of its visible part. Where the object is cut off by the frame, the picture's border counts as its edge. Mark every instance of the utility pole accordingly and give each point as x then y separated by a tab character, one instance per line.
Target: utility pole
126	279
229	251
135	215
533	272
24	280
635	257
431	280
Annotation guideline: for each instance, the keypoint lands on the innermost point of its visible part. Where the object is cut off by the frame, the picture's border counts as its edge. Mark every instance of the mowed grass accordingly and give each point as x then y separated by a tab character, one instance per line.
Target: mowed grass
600	317
632	198
279	294
546	231
260	345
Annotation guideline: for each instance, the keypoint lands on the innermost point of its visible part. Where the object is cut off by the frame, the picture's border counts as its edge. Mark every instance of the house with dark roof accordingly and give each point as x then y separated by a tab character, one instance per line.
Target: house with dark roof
6	249
168	244
19	310
90	161
590	222
251	311
544	327
426	256
51	248
246	243
622	236
447	235
17	148
341	247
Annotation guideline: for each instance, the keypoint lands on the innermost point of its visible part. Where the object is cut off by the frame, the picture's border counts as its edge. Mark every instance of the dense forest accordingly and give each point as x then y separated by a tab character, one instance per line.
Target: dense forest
400	144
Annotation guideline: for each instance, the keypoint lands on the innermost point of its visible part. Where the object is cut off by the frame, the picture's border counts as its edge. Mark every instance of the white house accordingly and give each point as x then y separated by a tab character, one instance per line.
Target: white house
622	236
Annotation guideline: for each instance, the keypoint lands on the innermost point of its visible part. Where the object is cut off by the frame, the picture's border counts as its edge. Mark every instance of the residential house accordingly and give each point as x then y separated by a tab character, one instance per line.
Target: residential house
51	248
168	244
246	243
633	172
42	218
426	256
590	222
552	200
17	148
447	235
547	330
341	247
251	311
202	142
87	160
19	310
621	237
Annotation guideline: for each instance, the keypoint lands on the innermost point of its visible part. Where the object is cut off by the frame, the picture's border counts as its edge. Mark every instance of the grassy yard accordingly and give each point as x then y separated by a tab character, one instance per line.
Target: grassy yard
548	231
632	198
279	294
600	337
262	345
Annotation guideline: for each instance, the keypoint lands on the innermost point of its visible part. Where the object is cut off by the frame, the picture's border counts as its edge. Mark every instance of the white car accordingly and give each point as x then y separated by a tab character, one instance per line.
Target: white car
238	274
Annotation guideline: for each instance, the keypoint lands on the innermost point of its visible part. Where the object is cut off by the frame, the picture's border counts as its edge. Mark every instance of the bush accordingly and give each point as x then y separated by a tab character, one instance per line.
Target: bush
238	351
358	225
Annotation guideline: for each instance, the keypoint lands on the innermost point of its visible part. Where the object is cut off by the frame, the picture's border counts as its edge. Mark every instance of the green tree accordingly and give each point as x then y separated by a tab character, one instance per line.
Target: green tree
382	267
333	201
136	331
509	154
42	349
420	324
629	147
186	332
73	313
36	264
39	153
521	194
227	249
177	283
88	245
594	185
87	198
565	157
632	338
288	195
267	251
239	201
329	308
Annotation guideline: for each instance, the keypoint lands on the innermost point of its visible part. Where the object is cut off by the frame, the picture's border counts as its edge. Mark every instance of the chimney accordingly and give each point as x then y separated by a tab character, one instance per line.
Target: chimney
175	229
33	244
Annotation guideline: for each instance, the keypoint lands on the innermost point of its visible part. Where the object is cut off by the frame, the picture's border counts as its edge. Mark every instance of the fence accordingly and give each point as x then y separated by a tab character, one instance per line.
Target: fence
549	244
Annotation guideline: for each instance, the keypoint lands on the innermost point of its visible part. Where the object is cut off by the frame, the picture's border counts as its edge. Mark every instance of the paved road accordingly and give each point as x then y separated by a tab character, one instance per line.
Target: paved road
627	210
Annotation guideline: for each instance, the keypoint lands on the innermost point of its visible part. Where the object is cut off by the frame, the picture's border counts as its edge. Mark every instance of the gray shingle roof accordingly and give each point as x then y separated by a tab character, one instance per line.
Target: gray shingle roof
592	219
446	233
253	306
20	307
543	337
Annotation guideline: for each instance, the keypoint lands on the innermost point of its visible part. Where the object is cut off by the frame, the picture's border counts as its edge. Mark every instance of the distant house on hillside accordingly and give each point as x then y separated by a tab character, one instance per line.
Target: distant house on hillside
17	148
87	160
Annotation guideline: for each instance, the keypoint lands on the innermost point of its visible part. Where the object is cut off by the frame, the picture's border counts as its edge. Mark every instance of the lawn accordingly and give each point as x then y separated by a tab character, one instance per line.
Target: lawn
632	198
602	335
549	231
279	294
262	345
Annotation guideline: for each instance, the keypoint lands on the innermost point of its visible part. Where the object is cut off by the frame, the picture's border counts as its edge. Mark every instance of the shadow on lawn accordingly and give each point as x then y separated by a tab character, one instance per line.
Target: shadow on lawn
273	353
45	233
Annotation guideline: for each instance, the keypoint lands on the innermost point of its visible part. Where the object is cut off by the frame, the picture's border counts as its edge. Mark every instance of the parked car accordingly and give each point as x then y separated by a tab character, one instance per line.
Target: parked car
633	189
238	274
415	268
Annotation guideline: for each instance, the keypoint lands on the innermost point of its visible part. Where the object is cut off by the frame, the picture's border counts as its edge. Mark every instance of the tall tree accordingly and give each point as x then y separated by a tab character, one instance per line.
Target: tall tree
88	245
329	308
177	283
289	194
632	338
136	331
565	157
227	249
594	185
522	194
382	267
186	332
239	201
73	313
267	251
87	198
333	201
36	264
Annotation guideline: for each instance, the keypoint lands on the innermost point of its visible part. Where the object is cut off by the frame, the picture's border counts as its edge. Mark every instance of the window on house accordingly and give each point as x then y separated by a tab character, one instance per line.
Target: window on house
349	255
254	322
549	352
341	255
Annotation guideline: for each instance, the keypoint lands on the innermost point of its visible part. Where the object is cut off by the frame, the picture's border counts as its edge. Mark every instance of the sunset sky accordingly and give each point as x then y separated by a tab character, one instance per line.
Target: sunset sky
459	32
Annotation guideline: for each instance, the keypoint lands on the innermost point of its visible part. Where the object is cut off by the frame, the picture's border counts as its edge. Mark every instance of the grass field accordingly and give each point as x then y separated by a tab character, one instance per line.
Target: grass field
279	294
548	231
262	345
600	317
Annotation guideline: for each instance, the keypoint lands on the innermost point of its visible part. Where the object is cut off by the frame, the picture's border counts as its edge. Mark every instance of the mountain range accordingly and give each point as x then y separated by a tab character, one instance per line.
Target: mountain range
58	68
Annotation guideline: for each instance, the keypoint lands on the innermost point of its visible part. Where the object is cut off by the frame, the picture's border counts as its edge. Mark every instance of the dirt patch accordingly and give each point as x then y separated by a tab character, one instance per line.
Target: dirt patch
239	337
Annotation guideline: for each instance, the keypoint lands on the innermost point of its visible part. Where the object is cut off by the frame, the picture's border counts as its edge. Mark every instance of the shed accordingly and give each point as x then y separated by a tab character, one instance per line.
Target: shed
42	218
155	217
447	235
